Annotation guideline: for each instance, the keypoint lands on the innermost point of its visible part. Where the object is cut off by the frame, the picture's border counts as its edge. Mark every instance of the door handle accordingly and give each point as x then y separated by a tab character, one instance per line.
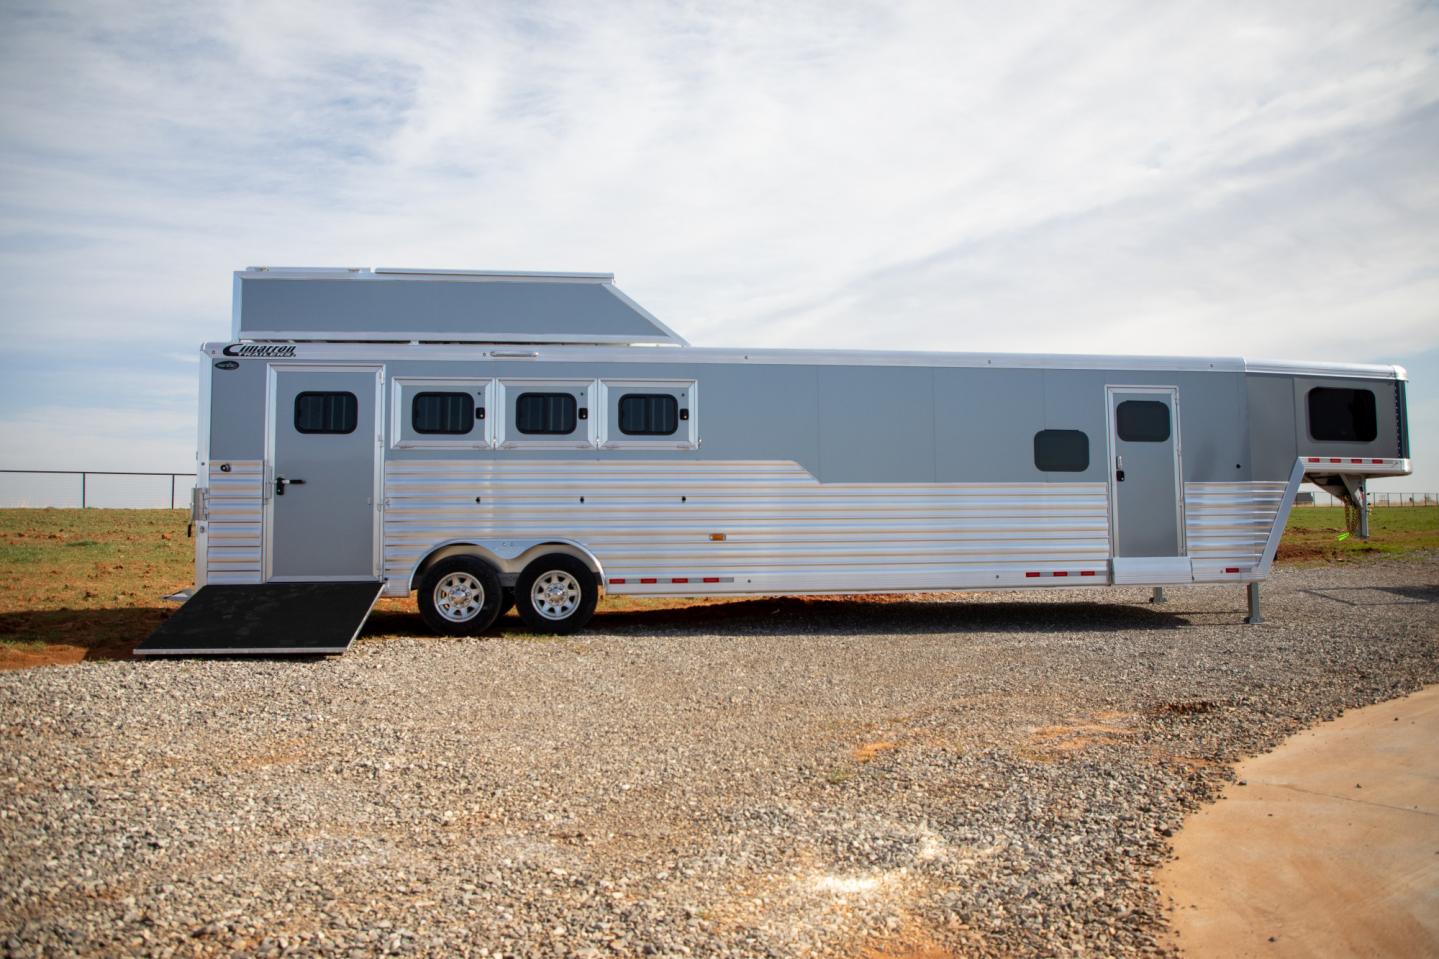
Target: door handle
281	483
1119	469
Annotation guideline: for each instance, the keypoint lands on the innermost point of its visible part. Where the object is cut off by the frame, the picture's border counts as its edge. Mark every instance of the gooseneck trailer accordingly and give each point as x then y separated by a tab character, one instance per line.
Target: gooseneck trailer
485	439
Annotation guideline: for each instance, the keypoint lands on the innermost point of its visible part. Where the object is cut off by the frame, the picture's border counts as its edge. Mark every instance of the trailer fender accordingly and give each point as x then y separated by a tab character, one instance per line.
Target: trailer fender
509	556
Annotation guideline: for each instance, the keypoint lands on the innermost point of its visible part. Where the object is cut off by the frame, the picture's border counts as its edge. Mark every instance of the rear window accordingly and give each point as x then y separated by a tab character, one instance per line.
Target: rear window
1061	451
1142	421
551	414
649	414
452	413
1341	415
326	412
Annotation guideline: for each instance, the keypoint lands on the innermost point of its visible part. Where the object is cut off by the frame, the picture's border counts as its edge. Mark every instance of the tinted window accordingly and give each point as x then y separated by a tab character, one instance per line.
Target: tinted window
649	414
551	413
1342	415
326	412
1061	451
442	413
1142	421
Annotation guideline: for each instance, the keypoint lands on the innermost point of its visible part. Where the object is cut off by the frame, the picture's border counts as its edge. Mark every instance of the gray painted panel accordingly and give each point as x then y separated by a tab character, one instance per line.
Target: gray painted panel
1272	429
324	528
237	411
958	424
1214	443
373	306
876	425
1146	499
985	418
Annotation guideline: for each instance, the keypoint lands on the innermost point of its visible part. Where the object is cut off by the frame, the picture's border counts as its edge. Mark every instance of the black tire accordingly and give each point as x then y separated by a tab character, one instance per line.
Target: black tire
556	594
460	596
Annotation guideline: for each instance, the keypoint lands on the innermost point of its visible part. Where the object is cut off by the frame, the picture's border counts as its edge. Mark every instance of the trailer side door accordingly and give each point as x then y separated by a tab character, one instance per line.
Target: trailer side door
323	474
1146	485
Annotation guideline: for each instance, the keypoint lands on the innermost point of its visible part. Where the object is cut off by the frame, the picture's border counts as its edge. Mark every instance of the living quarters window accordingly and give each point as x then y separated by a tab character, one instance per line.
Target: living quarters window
551	414
1061	451
649	414
1342	415
326	412
449	413
1142	421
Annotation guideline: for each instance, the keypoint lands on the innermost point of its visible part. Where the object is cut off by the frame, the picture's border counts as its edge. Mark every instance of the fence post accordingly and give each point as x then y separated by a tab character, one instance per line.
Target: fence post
82	490
172	490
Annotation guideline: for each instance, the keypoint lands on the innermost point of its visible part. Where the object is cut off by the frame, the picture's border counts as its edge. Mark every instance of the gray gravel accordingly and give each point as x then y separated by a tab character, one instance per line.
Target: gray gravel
991	776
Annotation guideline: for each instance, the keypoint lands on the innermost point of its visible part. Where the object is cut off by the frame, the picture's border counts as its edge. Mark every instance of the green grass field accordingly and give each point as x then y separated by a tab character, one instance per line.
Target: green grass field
1316	534
78	584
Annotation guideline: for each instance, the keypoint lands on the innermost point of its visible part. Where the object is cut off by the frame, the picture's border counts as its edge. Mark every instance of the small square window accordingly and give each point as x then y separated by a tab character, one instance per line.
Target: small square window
649	414
450	413
1343	416
1061	451
1142	421
326	412
546	414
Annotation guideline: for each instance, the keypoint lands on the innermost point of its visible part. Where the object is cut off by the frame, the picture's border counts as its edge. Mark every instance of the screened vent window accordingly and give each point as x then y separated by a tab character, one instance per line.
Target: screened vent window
452	413
326	412
1142	421
552	414
1061	451
1342	415
649	414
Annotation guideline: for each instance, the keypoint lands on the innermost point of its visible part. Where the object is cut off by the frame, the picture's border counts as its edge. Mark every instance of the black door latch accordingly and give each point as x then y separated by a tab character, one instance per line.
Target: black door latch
281	483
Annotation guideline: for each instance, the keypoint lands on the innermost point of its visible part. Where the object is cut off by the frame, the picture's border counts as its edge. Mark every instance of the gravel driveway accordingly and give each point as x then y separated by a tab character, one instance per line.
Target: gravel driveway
993	775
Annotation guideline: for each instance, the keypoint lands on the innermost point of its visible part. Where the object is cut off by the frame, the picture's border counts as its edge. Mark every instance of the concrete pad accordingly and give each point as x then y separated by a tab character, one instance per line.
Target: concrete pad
1330	849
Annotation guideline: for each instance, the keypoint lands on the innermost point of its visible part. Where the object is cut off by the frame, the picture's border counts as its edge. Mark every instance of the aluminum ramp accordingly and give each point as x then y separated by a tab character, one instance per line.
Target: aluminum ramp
267	619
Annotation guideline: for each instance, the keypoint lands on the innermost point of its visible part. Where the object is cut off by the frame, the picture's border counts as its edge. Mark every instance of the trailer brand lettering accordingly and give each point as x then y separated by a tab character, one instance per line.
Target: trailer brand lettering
227	365
258	350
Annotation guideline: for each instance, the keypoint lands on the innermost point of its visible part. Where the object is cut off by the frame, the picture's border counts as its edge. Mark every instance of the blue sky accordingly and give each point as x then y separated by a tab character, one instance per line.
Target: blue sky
1217	178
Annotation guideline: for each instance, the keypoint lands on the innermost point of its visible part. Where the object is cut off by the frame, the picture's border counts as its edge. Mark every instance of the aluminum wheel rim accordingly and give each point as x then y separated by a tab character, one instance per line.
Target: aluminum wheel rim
555	595
459	597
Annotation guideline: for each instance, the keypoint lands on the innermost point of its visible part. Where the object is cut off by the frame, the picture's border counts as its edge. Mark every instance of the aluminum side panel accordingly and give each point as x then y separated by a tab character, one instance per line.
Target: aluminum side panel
236	511
781	528
1228	524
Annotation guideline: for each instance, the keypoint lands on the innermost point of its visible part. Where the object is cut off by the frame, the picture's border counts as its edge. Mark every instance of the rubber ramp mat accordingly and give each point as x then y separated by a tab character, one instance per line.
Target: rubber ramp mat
269	619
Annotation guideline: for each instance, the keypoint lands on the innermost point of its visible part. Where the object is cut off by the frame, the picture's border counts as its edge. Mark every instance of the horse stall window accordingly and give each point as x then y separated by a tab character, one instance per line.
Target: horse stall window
1142	421
649	414
1061	451
1342	415
317	412
546	414
450	413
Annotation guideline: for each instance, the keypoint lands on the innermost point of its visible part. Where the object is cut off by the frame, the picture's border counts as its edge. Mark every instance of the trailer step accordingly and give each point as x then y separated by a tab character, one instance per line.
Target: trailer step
267	619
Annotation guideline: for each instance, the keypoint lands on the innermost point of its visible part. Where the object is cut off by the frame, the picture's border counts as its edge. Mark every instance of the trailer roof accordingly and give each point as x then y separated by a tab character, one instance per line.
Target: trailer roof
559	353
342	304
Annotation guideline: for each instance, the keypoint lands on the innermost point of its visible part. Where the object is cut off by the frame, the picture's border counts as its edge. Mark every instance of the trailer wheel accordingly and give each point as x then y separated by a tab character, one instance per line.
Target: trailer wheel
556	594
460	596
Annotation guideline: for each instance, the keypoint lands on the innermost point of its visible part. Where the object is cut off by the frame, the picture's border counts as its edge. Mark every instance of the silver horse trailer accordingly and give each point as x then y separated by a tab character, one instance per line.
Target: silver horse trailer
486	439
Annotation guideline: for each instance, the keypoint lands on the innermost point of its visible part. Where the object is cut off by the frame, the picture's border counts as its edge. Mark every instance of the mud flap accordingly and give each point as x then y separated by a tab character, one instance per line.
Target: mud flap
267	619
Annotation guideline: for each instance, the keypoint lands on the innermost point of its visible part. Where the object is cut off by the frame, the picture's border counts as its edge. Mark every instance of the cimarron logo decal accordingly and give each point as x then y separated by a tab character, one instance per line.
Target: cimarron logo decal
258	350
